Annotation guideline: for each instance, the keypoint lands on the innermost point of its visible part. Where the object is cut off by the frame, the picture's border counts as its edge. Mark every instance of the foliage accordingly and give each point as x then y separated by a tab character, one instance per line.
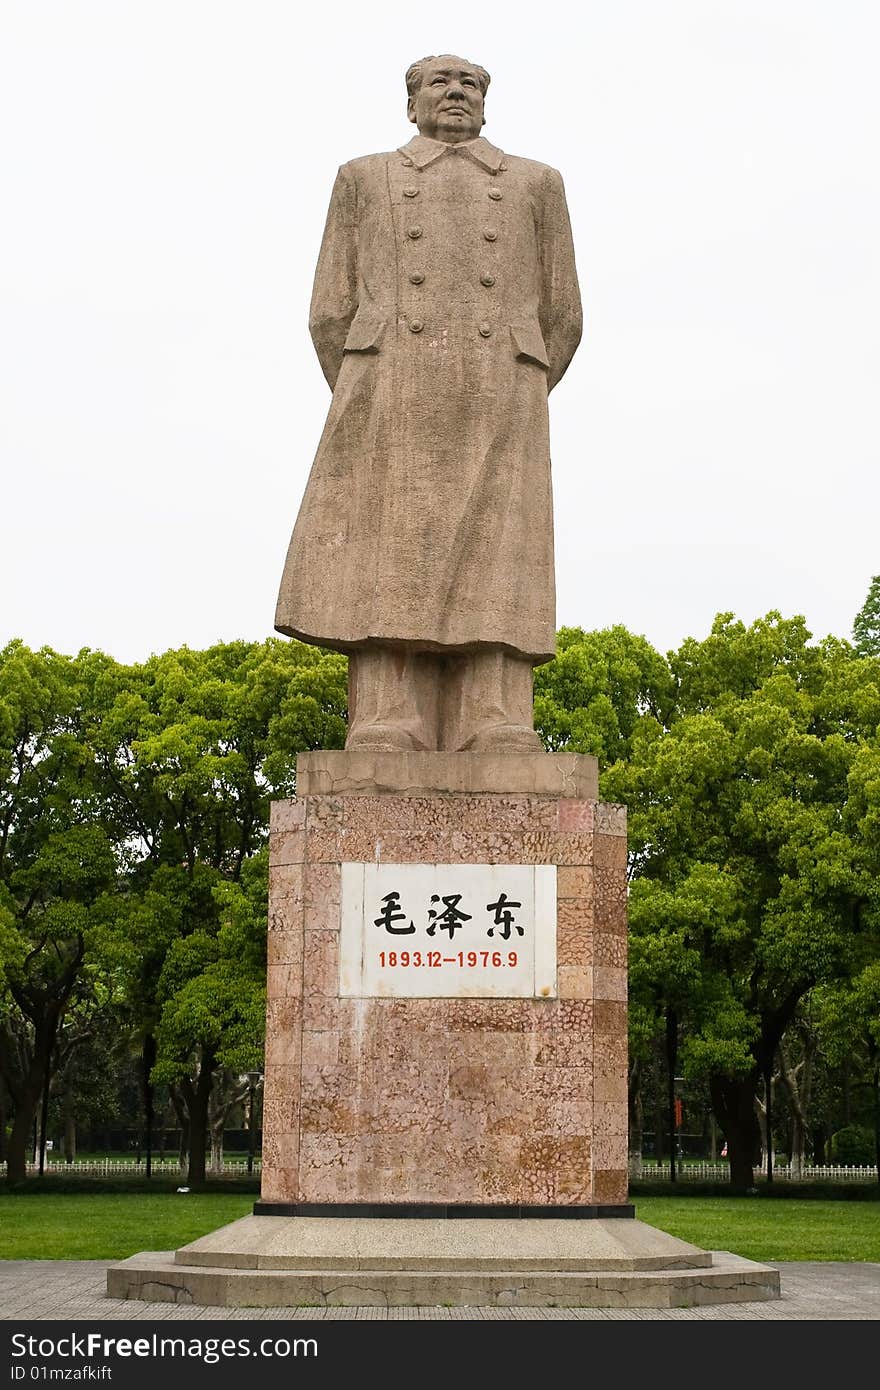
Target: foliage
57	872
211	990
866	628
854	1144
601	688
133	828
194	745
751	772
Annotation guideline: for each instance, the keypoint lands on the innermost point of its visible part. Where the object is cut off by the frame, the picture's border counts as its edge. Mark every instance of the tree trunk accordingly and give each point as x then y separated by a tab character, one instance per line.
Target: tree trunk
671	1064
768	1113
197	1097
182	1115
797	1083
26	1090
27	1069
20	1138
733	1101
634	1098
659	1142
198	1134
876	1088
217	1126
69	1121
148	1058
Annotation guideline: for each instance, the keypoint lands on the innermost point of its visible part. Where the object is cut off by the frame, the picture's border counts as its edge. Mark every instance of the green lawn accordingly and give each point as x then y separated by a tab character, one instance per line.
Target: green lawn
111	1225
762	1228
103	1226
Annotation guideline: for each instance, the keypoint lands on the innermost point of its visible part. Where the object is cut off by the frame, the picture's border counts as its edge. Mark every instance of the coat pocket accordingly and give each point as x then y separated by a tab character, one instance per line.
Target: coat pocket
529	343
365	333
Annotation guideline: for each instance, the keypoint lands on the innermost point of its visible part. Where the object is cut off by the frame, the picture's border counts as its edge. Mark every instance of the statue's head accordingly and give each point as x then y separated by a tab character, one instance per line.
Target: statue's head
446	97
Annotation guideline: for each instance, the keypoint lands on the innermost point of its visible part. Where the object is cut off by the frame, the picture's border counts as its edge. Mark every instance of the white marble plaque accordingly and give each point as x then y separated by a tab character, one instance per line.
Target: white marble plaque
448	931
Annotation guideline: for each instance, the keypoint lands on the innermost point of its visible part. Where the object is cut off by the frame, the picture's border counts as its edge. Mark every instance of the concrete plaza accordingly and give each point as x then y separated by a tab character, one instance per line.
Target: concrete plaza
40	1290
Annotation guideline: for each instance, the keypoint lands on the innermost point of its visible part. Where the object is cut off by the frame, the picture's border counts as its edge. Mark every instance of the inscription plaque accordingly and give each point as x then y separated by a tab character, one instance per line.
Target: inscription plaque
448	930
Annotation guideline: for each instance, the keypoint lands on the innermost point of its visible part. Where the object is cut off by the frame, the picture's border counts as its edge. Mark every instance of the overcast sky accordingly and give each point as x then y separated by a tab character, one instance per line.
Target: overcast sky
165	168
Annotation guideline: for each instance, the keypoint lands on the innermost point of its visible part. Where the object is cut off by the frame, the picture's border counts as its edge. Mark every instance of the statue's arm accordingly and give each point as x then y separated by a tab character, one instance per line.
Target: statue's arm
334	295
560	308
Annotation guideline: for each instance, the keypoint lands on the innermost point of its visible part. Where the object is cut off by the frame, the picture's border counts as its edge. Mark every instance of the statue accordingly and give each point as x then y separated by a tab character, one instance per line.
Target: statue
445	309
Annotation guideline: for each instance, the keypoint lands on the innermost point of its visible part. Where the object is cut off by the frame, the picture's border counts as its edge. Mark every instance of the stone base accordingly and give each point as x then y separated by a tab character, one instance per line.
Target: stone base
281	1262
376	1097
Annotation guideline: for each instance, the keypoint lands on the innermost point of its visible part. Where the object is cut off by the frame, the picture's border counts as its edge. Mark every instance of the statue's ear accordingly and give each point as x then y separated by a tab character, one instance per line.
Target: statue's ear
411	110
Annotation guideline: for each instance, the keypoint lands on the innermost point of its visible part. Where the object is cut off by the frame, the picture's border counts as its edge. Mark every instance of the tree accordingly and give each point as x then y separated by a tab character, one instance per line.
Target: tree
851	1025
670	988
866	628
797	1059
213	1000
193	745
57	868
597	691
742	804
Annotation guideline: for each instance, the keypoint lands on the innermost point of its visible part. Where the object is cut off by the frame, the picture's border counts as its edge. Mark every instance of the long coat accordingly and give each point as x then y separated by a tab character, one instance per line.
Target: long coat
445	308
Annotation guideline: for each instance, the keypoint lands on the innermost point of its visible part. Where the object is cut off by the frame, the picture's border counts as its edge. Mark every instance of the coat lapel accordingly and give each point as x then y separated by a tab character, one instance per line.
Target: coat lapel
424	151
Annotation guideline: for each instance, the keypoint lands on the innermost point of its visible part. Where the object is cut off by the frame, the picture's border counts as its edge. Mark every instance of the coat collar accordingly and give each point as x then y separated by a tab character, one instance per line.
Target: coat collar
422	150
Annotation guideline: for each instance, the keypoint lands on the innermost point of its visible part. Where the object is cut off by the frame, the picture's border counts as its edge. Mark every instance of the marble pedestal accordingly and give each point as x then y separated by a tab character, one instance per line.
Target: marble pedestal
437	1103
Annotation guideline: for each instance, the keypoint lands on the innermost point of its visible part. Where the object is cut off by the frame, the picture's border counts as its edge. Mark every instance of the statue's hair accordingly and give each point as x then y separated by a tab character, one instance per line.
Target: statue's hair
414	73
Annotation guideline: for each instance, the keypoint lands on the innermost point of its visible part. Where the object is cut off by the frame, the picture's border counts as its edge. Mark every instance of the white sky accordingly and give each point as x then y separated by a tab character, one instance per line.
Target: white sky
165	167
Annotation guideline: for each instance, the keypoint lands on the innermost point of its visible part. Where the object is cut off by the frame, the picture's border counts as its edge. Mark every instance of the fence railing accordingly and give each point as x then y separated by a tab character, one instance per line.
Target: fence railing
103	1167
810	1172
687	1171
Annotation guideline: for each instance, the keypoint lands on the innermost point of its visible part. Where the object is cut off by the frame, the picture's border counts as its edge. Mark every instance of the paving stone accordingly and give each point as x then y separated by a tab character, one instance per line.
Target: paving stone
73	1290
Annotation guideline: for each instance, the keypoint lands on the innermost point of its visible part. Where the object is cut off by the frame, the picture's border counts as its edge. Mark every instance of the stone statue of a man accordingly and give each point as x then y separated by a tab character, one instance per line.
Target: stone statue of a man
445	308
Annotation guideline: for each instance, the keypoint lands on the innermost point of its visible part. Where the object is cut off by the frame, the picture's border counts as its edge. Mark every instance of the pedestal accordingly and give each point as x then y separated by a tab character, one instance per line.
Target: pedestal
423	1104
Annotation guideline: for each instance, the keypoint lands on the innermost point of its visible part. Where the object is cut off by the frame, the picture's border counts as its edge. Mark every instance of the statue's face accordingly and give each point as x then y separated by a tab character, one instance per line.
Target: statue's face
449	104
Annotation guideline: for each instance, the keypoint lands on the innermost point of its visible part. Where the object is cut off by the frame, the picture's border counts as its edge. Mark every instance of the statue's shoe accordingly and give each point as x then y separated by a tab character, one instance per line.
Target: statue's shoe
382	738
503	738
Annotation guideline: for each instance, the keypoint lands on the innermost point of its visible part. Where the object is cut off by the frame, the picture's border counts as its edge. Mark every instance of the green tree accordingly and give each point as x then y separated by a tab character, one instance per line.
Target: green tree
212	997
57	867
866	628
193	745
598	690
851	1027
741	840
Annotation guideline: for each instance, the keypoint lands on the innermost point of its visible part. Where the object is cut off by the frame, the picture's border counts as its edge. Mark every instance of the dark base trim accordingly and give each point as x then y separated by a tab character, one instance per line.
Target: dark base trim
423	1211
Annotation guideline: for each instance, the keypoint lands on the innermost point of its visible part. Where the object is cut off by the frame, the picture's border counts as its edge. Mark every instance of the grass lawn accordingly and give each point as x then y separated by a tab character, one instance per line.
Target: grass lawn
763	1228
112	1225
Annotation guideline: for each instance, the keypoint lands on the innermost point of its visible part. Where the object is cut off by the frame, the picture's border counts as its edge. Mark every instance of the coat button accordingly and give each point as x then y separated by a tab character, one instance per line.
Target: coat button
485	330
410	192
487	280
416	325
490	234
407	163
417	278
414	233
496	195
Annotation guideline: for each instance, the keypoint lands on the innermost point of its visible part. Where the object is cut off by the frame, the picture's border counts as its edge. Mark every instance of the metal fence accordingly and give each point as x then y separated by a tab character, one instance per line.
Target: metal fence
104	1167
650	1168
811	1172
